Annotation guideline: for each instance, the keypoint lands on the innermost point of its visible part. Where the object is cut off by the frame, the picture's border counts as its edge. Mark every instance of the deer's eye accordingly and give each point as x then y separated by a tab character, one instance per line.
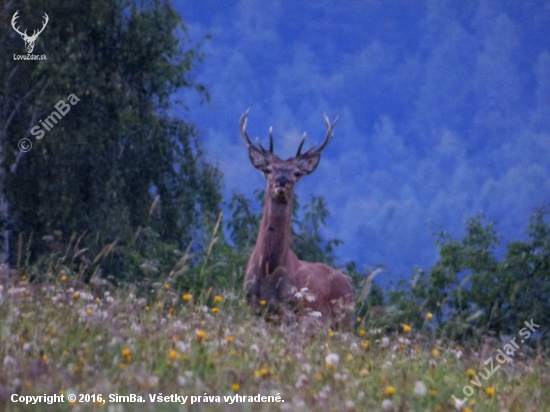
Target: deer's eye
267	171
297	174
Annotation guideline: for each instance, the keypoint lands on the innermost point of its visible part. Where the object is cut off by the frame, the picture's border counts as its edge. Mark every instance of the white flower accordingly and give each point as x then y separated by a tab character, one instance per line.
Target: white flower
420	388
332	359
182	381
316	314
387	405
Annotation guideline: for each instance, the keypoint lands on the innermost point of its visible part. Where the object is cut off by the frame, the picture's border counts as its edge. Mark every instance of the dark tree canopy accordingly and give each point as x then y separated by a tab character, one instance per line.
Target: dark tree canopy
100	167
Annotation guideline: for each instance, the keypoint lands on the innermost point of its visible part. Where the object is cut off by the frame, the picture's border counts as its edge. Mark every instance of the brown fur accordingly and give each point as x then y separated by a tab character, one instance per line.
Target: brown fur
274	273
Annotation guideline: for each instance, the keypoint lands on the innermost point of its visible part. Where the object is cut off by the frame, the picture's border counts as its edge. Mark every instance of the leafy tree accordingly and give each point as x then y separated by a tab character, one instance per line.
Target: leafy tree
100	168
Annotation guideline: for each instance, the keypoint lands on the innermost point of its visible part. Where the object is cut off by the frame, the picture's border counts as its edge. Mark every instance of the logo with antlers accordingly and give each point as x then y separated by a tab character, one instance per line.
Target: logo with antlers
29	40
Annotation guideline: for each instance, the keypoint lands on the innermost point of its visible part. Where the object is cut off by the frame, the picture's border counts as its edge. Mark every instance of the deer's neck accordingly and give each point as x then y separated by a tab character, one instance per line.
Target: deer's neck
273	243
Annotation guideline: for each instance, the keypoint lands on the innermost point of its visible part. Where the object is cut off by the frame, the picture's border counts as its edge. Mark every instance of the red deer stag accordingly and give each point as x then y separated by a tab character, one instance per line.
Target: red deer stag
274	274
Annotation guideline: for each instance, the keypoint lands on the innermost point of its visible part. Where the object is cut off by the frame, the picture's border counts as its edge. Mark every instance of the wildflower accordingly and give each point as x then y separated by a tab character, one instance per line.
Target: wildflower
406	328
201	334
263	372
387	405
420	388
147	307
330	333
89	311
167	286
63	278
76	295
170	310
126	354
358	319
262	302
467	410
429	315
217	298
316	314
332	360
366	344
187	297
471	373
436	352
389	390
215	310
362	332
229	339
173	354
433	392
45	358
235	387
490	391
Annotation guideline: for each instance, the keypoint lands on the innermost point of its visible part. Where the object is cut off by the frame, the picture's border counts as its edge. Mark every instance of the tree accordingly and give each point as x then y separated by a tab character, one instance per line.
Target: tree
116	65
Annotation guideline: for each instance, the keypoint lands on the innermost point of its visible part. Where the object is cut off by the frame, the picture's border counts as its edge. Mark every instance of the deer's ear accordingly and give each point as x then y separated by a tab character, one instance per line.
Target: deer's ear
309	163
258	159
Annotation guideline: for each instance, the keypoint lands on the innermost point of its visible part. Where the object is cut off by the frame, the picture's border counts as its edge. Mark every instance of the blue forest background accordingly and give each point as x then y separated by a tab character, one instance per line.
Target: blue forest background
443	105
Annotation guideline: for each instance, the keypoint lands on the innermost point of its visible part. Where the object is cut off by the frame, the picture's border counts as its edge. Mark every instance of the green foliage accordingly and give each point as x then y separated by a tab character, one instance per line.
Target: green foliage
100	168
472	293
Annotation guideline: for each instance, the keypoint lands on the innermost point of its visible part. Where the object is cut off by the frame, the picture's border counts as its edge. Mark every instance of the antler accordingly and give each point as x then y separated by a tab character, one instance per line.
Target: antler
35	33
330	134
246	139
15	17
47	19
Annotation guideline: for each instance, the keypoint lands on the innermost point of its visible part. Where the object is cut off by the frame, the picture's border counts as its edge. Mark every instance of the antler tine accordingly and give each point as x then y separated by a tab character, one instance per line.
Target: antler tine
13	22
242	129
271	139
330	132
301	144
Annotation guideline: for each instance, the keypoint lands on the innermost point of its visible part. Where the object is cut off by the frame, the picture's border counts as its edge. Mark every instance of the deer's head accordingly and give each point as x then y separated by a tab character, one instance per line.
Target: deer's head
282	175
29	40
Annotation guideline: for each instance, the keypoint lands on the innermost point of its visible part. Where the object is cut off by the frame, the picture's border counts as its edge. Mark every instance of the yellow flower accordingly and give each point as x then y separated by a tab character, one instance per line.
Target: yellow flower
167	286
187	297
170	310
261	373
229	339
362	332
201	334
122	366
262	302
490	391
63	278
235	387
126	354
173	354
406	328
147	307
471	373
429	315
76	295
215	310
217	298
24	277
389	391
436	352
434	393
358	319
366	344
90	311
45	358
467	410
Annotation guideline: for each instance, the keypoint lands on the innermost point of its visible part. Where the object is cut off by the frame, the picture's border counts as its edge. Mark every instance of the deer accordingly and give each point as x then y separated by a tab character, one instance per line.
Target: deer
29	40
275	278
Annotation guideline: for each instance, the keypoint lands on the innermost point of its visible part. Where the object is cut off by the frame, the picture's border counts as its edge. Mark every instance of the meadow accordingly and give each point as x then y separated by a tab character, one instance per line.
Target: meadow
116	349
